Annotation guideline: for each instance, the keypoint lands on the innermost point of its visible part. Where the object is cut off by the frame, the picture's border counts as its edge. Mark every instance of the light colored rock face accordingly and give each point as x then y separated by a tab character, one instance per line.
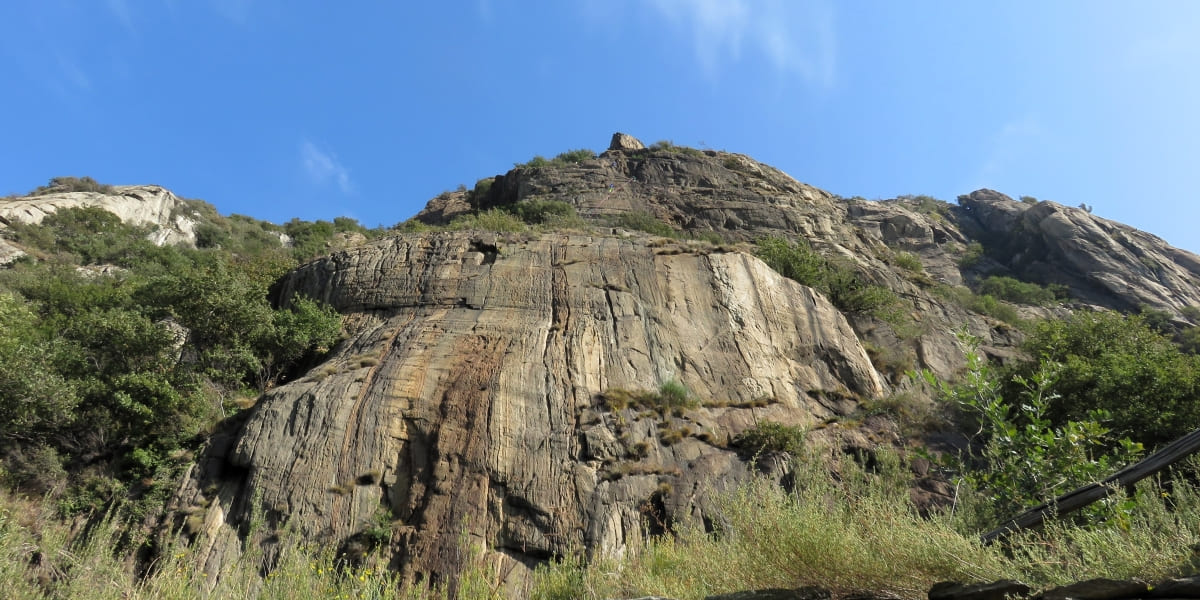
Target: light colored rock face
623	142
9	252
472	384
134	204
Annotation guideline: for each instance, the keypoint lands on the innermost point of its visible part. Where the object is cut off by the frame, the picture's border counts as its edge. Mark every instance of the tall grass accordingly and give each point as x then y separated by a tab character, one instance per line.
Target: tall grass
40	558
856	531
862	534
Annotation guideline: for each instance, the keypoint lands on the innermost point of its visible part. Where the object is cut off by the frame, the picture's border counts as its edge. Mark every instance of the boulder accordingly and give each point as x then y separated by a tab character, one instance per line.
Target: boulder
623	142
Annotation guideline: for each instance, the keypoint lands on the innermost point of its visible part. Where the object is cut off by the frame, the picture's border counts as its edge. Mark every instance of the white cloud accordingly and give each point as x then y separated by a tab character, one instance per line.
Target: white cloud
323	167
796	37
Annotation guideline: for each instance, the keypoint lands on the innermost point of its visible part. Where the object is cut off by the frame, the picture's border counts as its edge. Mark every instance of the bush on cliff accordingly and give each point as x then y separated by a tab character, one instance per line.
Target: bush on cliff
842	284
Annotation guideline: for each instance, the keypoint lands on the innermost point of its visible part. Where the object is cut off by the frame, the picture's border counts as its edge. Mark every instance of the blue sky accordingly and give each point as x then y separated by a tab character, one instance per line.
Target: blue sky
315	109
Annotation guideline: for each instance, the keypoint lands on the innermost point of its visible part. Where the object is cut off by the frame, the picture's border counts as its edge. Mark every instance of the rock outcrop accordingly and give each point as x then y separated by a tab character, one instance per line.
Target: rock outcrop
150	205
470	399
500	388
1103	262
624	142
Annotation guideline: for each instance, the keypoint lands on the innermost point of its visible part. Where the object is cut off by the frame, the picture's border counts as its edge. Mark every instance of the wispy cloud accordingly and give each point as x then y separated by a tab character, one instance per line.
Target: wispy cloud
323	167
123	13
72	75
484	9
795	37
237	11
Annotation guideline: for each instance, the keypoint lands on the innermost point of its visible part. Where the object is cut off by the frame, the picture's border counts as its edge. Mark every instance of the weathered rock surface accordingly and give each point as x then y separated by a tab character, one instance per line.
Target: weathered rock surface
467	400
1103	262
625	143
9	252
134	204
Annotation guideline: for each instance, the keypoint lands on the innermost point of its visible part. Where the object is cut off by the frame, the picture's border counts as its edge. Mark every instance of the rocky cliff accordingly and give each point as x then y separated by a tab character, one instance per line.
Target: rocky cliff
471	397
509	389
170	217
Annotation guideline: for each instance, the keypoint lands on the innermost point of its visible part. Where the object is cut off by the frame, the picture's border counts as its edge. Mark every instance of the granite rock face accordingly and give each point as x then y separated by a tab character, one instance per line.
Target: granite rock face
134	204
468	399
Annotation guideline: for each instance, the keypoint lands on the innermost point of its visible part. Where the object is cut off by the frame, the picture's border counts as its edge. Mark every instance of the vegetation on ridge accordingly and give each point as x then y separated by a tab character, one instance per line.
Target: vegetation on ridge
115	354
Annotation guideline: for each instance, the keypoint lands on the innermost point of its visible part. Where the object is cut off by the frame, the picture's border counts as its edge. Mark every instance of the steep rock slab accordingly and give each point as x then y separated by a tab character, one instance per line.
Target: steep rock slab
466	402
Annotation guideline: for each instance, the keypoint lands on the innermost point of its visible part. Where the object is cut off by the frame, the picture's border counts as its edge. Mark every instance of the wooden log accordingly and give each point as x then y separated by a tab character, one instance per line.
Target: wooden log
1079	498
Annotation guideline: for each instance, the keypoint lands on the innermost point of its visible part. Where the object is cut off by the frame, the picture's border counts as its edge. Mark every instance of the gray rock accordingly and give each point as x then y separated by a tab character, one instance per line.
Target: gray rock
9	253
1182	587
1098	589
804	593
999	590
1103	262
623	142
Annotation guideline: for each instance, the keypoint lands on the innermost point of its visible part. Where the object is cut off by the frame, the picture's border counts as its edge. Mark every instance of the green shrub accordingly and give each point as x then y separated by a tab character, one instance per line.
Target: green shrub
983	304
844	287
848	291
537	162
928	205
72	184
668	146
1026	458
574	156
971	255
540	212
671	396
1020	292
646	222
1119	364
1029	200
210	235
769	436
310	239
908	261
796	261
88	235
412	226
490	220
